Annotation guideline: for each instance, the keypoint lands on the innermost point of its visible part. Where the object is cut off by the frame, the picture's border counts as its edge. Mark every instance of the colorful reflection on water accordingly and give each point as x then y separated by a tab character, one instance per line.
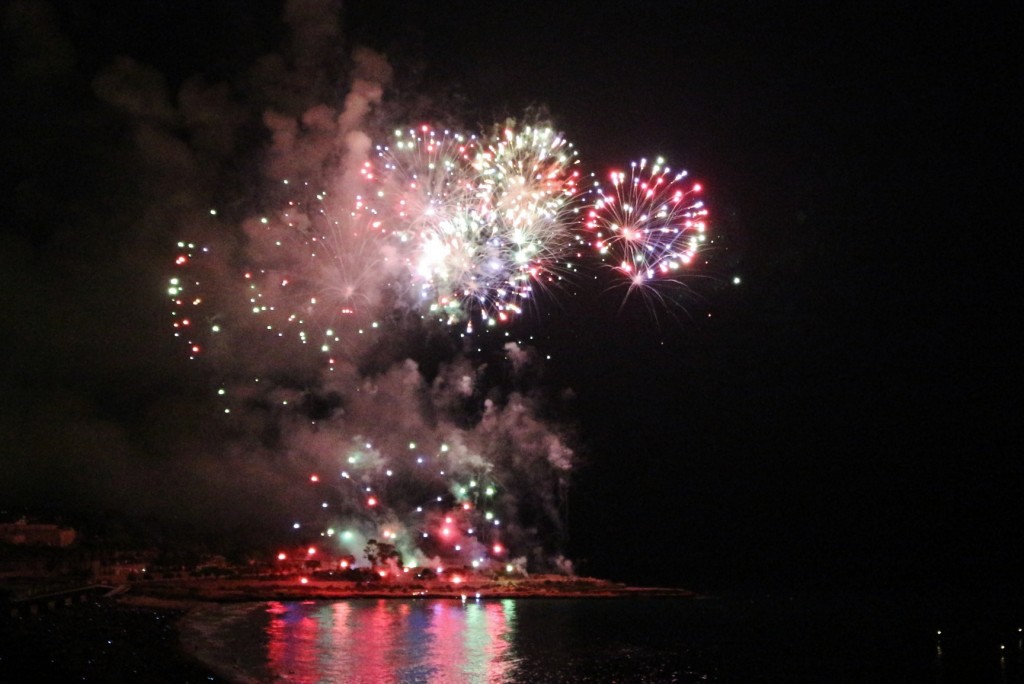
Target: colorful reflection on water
576	641
391	641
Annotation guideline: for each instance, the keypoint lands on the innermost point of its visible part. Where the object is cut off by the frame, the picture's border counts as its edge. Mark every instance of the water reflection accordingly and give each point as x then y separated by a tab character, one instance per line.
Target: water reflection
391	641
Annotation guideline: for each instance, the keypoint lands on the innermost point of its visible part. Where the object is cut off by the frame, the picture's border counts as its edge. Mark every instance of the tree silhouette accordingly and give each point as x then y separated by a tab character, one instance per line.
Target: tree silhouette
379	553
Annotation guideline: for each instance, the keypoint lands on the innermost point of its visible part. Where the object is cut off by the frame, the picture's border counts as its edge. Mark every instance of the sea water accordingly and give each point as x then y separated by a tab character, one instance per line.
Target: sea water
539	640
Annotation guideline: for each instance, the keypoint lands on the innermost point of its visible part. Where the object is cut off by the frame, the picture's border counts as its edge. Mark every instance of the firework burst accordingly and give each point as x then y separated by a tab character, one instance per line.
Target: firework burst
649	224
441	224
479	220
531	180
426	191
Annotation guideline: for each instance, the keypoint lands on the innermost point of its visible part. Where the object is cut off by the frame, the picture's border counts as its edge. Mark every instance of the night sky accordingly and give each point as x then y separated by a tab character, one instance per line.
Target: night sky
847	415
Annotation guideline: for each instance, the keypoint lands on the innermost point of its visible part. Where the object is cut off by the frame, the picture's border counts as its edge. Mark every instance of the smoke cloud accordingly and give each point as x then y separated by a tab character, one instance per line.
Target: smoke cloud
393	431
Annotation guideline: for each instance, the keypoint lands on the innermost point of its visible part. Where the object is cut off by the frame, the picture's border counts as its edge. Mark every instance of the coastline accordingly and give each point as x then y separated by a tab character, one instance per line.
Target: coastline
189	592
191	596
137	635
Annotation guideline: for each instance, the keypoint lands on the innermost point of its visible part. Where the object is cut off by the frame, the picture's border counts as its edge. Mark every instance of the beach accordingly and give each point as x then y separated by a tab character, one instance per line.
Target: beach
103	640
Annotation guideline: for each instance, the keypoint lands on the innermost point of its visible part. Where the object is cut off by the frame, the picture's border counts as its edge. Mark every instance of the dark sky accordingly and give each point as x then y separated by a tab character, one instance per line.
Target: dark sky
847	415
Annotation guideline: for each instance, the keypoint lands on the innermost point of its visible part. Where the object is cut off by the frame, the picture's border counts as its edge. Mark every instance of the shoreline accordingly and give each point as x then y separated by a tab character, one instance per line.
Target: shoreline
136	631
189	592
186	597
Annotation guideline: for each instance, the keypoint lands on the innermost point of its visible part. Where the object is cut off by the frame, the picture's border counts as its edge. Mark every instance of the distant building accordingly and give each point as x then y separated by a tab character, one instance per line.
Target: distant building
36	534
